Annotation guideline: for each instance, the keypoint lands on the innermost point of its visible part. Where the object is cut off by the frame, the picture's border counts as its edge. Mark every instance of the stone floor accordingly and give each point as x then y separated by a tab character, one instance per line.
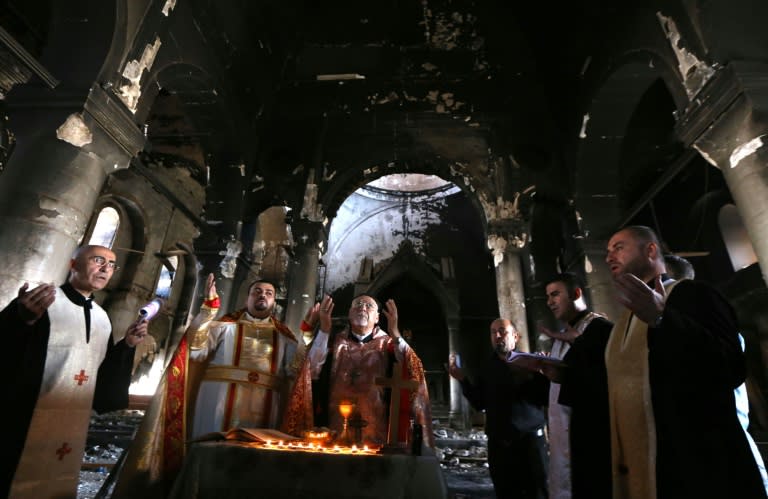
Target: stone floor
462	457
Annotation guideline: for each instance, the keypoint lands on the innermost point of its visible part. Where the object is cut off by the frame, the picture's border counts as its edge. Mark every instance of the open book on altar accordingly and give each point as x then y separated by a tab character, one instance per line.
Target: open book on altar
262	435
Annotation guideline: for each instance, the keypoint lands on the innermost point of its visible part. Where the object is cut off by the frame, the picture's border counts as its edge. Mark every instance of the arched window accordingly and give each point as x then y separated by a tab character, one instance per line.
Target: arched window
735	237
106	227
167	272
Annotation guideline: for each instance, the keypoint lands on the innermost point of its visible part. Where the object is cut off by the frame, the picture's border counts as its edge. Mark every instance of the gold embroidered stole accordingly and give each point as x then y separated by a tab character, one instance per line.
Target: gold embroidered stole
633	432
585	321
633	429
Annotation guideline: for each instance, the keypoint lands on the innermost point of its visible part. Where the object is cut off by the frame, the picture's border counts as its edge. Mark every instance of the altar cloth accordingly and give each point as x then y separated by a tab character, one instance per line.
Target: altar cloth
230	470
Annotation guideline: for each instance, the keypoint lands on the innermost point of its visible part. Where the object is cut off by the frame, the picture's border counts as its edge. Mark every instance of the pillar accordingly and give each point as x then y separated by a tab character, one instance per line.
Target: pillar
456	412
600	291
50	186
728	126
505	246
301	294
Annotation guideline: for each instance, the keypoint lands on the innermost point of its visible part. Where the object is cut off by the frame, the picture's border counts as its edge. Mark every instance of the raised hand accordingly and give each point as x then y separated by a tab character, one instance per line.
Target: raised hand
453	369
33	304
312	315
210	287
325	311
646	303
136	333
390	312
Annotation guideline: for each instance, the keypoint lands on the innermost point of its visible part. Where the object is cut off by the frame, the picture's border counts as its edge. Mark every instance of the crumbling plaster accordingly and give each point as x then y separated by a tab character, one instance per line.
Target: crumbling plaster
130	92
694	71
75	131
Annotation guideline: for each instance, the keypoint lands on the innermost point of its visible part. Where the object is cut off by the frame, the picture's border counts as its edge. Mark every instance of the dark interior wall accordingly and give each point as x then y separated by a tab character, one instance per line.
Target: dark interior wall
419	310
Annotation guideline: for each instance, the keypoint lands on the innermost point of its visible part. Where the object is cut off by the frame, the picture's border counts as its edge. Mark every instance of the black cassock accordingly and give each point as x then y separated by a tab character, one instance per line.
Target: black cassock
23	368
695	363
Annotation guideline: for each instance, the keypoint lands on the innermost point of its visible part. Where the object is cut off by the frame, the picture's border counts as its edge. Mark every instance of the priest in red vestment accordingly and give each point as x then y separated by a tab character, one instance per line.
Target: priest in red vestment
348	366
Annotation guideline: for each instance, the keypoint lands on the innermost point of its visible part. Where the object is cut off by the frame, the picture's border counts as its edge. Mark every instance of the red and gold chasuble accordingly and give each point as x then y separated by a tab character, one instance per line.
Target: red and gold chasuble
354	371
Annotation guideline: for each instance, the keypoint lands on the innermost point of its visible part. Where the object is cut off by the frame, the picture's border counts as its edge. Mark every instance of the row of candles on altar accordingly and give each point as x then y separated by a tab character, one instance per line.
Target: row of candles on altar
313	447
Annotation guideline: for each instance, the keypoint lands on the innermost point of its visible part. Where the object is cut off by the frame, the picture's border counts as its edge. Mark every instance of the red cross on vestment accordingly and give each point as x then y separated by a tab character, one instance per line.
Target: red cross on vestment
63	450
81	378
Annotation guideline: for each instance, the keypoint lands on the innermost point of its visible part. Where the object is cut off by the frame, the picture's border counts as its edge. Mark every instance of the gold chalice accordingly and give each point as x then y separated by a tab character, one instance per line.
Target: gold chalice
345	409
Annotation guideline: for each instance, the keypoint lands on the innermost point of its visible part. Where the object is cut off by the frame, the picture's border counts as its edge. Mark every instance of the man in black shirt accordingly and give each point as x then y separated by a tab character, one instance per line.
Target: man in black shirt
513	400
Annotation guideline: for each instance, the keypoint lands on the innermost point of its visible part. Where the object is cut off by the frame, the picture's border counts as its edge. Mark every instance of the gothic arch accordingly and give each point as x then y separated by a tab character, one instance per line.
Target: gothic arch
597	177
407	262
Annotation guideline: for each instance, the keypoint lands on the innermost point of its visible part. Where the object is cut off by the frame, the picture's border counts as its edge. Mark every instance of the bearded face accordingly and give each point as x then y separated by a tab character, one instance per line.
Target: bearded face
503	337
261	299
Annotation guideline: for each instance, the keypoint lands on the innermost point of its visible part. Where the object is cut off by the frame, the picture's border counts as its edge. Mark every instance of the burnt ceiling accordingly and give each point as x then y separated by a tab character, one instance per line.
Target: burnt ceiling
253	97
335	86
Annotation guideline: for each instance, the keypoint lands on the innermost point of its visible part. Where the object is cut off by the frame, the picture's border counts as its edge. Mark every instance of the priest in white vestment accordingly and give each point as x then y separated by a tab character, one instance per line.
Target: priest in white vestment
236	371
57	340
566	301
248	359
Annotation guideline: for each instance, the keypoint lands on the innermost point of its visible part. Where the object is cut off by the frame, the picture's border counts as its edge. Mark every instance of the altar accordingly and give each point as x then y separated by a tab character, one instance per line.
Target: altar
229	470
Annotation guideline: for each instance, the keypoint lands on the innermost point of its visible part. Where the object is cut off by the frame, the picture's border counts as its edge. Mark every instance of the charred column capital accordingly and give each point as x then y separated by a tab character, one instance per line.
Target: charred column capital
727	113
506	235
727	124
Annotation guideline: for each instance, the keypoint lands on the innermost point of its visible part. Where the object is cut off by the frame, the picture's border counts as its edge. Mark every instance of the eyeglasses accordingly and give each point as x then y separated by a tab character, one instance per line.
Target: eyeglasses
364	304
101	261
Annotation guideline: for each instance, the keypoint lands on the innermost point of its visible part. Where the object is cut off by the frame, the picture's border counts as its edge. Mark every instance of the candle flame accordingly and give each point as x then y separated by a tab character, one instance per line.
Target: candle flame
301	446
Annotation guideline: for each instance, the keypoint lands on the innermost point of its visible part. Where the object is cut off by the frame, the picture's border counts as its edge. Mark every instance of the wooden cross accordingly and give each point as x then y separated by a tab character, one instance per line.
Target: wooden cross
357	423
81	378
353	375
397	384
63	450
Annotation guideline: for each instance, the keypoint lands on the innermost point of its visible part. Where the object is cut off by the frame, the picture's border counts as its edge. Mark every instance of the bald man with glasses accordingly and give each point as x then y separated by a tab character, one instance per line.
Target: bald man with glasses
345	367
56	340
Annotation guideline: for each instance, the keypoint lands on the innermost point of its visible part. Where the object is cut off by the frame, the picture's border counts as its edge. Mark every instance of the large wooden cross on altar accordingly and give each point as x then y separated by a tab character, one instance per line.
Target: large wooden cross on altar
398	385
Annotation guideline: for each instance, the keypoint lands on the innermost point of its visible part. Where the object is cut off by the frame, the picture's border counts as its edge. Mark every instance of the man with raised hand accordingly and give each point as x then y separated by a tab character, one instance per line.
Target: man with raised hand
673	360
57	339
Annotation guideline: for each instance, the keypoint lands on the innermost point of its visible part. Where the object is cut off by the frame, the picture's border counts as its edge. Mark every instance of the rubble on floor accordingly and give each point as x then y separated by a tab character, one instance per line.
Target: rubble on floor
108	435
463	457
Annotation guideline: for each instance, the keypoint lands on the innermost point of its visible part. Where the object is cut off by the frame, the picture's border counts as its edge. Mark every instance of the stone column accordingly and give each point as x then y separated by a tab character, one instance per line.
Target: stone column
54	176
601	295
233	270
728	126
301	294
505	245
456	412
